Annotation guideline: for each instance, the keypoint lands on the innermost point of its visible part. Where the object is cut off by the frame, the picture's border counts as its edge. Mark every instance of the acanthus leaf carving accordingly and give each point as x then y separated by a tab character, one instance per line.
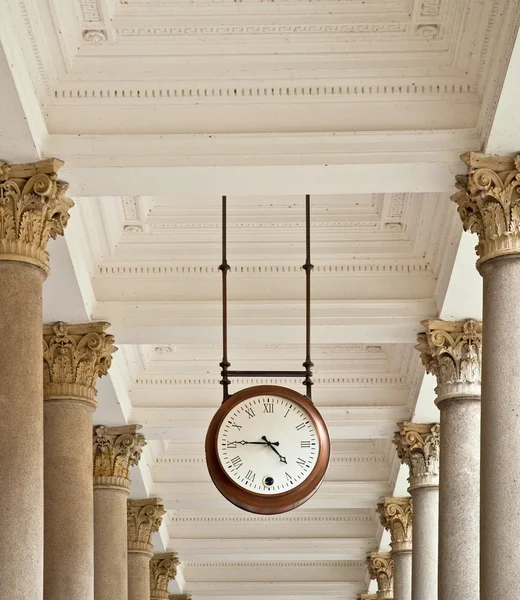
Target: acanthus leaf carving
488	203
452	351
396	517
418	446
74	356
116	449
33	208
163	568
381	568
144	518
180	597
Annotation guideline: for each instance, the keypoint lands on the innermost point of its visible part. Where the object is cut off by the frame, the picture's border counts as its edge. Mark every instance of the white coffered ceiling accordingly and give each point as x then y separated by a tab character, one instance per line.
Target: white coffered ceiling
159	107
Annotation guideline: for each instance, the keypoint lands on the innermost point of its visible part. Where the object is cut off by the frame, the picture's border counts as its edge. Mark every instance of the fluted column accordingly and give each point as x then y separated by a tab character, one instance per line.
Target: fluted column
381	568
143	520
489	205
396	517
163	568
418	446
116	449
33	207
452	352
74	356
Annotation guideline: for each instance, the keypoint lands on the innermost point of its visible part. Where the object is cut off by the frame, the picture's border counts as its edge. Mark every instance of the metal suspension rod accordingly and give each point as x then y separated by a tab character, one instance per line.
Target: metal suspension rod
308	267
224	267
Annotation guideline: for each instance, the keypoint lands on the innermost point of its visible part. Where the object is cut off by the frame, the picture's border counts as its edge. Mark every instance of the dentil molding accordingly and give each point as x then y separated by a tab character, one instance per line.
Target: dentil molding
74	356
163	568
396	517
489	203
144	518
418	446
381	568
33	208
452	351
116	449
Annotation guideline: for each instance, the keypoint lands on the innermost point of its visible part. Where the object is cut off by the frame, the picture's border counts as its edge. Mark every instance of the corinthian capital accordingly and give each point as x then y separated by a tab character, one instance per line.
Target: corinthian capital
116	449
163	568
396	517
180	597
489	203
418	446
33	208
74	356
381	568
144	519
367	597
452	351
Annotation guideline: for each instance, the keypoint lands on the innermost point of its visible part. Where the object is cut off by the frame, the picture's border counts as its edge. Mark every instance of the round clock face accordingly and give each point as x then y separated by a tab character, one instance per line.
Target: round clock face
268	444
267	449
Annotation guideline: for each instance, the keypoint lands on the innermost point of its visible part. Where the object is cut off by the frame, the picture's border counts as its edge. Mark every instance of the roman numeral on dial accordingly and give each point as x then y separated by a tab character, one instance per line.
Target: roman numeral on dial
250	412
236	462
268	407
250	476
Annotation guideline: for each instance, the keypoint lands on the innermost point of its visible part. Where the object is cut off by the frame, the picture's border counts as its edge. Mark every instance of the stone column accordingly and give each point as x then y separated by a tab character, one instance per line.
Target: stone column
396	517
163	568
143	520
33	207
489	205
381	568
74	356
452	352
116	449
418	446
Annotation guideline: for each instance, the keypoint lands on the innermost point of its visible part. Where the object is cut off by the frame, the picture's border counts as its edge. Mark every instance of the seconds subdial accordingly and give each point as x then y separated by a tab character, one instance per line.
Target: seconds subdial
268	445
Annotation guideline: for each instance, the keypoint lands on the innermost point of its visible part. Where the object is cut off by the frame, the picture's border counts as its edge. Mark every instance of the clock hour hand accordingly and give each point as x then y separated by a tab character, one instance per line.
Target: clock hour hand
271	445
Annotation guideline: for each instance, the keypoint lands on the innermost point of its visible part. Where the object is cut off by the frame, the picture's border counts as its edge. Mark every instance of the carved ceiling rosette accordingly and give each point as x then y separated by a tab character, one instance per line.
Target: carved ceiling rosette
452	351
144	519
489	203
163	568
116	449
33	208
381	568
418	446
74	356
396	517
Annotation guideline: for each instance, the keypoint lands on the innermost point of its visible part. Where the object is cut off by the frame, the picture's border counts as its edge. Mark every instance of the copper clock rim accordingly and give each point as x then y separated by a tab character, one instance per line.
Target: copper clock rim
253	501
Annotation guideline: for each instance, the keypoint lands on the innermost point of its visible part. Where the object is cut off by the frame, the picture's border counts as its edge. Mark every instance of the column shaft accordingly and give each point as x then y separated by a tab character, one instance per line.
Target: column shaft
402	575
138	576
110	544
69	503
21	431
425	542
500	454
459	499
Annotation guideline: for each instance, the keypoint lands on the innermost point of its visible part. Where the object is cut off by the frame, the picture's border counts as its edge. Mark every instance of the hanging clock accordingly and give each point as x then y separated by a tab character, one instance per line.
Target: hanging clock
267	449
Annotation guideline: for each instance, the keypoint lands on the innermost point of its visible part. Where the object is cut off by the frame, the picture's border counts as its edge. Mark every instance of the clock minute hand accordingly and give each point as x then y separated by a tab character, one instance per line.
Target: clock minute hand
243	442
271	445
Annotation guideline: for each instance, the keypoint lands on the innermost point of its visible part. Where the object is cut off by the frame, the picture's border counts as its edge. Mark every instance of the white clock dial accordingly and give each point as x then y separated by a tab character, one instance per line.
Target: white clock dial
268	445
